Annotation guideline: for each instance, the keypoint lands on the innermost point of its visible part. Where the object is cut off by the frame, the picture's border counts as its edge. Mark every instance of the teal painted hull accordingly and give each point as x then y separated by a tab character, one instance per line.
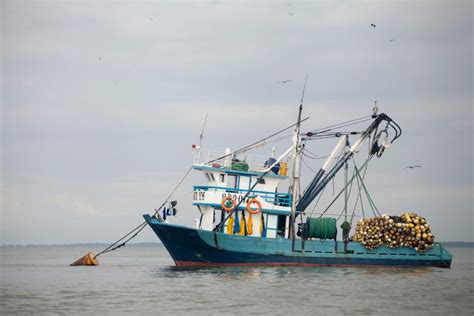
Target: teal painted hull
195	247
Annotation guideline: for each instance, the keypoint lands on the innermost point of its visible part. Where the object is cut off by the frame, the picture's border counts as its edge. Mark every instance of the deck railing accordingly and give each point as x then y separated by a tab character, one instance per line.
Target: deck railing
280	199
255	163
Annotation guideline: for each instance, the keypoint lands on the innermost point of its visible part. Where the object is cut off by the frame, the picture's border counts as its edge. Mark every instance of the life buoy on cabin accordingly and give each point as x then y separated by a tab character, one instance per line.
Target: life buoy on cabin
249	206
224	204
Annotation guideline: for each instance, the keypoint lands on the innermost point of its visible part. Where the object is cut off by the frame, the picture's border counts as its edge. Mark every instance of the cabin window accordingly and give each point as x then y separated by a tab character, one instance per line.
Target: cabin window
281	226
232	181
222	177
244	182
271	223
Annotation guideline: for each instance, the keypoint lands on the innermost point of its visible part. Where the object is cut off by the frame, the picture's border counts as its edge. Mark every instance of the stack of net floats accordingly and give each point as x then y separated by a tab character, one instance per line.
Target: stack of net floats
408	230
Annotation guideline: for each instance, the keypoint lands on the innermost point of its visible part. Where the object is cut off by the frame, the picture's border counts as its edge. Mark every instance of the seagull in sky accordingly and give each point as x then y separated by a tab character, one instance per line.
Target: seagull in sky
285	81
413	167
291	13
373	25
392	40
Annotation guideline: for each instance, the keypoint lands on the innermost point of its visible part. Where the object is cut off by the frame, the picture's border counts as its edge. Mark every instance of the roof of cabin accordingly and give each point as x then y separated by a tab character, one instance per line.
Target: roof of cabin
239	172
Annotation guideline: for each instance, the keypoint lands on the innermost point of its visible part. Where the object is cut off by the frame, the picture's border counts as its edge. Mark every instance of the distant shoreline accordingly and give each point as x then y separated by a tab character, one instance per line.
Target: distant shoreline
459	244
98	244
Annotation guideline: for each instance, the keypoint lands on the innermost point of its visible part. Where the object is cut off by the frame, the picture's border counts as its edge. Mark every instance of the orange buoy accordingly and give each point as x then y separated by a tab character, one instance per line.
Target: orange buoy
224	204
249	206
87	260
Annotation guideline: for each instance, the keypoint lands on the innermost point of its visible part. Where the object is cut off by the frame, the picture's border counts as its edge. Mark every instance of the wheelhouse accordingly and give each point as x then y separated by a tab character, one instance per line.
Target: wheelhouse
234	179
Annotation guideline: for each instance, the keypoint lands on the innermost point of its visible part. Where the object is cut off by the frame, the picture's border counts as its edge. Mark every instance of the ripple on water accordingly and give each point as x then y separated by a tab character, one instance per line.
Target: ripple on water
144	280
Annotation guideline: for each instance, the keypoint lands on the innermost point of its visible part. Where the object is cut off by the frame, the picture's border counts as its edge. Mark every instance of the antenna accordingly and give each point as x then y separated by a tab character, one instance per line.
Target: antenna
197	149
304	88
201	136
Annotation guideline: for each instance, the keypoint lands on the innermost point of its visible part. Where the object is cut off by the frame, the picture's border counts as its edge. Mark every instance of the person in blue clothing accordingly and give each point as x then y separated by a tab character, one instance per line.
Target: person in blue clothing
170	210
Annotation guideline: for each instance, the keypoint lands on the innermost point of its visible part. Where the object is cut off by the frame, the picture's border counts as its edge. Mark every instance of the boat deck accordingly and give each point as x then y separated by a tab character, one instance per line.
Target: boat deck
195	247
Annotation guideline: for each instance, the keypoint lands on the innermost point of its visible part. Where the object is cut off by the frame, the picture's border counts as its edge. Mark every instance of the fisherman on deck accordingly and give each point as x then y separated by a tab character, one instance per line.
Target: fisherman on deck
346	228
170	210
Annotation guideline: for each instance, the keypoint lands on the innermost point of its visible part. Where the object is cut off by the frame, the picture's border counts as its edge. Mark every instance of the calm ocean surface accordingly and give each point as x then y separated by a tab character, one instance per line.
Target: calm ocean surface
143	280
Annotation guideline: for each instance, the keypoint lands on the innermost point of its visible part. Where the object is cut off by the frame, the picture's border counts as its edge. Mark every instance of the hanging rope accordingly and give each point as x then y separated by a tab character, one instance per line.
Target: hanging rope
317	201
359	196
343	124
255	144
348	195
361	203
110	248
140	227
369	198
307	166
349	182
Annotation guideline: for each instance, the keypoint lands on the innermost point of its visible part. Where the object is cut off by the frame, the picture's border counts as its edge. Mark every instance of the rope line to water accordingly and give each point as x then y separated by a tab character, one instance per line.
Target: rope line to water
140	227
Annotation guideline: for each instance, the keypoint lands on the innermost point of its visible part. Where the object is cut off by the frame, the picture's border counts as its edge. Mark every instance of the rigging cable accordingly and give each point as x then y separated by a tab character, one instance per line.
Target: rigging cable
359	196
343	124
345	190
315	156
350	181
369	198
140	227
248	147
307	166
262	144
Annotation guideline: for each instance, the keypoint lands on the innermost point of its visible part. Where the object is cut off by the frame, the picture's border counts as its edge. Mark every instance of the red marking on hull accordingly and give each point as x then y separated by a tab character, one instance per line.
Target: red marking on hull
197	264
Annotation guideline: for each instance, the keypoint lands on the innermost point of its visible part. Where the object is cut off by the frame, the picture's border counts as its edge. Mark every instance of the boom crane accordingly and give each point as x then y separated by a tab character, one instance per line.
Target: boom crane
323	177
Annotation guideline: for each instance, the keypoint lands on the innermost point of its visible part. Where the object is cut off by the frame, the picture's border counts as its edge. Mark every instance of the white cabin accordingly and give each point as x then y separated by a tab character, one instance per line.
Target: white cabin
234	179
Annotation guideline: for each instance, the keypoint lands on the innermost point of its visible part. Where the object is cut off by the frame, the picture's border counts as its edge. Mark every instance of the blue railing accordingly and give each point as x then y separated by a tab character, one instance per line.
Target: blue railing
281	199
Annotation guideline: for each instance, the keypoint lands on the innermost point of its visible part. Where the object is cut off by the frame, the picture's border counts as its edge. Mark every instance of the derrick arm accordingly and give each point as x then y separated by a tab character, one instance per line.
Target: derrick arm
320	181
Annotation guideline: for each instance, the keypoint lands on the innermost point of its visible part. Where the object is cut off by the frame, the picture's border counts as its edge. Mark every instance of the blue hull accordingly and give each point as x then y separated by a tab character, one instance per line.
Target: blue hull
195	247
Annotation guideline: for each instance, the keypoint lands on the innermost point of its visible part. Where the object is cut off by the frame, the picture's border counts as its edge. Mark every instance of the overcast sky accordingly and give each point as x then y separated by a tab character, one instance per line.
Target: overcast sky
101	101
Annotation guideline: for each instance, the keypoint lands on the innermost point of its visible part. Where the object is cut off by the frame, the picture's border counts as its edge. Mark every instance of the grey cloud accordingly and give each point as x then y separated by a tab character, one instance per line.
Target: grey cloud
100	104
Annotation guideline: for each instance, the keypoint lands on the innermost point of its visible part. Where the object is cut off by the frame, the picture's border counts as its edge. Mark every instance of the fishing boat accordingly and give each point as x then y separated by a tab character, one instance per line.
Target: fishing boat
246	219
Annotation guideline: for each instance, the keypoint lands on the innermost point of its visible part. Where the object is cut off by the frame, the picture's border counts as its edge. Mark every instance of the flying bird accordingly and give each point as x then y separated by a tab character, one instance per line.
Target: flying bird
412	167
373	25
392	40
292	14
284	81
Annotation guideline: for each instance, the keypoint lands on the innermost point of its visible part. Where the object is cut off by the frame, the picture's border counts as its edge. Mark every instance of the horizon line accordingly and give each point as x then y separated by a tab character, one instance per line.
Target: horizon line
152	242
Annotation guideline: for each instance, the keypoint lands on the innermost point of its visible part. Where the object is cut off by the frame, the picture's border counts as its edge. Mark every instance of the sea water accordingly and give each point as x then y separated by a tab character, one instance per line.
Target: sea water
143	280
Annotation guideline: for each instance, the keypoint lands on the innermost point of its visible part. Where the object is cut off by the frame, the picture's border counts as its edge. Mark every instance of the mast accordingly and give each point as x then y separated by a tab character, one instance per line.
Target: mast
296	170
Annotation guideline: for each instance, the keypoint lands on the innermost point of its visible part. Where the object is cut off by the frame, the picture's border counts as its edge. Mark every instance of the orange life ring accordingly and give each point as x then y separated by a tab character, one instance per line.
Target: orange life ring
224	202
249	204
